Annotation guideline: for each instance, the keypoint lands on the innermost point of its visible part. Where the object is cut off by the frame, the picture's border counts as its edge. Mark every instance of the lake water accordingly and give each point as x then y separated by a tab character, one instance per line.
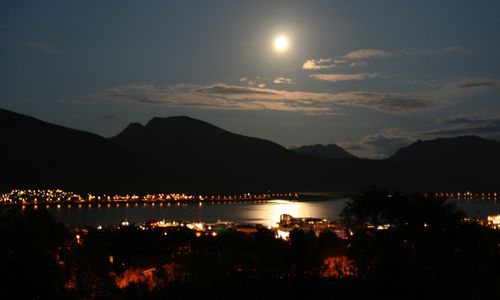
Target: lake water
245	212
266	213
479	208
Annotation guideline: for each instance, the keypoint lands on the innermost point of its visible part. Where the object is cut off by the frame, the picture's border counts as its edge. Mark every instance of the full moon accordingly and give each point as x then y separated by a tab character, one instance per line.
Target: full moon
281	43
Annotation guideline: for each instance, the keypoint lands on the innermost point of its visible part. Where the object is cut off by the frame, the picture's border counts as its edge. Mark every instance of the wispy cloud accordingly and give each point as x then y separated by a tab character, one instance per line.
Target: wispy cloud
355	58
393	103
221	89
44	47
344	77
258	81
477	84
367	53
482	124
283	80
223	96
468	86
318	64
357	64
380	145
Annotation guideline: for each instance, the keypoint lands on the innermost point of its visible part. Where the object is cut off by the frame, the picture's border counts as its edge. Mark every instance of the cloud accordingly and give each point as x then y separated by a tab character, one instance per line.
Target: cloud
283	80
44	47
469	86
353	58
255	81
477	84
357	64
318	64
219	96
233	90
367	53
344	77
481	124
380	145
393	103
223	96
4	26
370	53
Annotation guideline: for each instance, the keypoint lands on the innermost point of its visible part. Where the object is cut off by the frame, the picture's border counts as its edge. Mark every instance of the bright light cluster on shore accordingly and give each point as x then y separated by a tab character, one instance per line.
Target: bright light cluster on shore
58	196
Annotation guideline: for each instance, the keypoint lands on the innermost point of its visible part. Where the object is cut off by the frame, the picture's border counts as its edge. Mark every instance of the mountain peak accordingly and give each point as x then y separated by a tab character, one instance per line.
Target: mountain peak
175	120
134	126
331	151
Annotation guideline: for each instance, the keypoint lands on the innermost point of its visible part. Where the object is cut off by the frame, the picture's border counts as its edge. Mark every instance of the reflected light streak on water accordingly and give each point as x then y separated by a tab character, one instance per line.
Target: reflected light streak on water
270	214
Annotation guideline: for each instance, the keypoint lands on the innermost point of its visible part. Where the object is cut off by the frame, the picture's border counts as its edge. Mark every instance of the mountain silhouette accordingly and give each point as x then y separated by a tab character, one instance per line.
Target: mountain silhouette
457	149
466	162
208	155
37	154
330	151
186	138
182	154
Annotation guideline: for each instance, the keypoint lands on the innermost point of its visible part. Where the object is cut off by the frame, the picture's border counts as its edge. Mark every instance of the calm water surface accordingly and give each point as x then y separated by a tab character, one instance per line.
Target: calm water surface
258	213
479	209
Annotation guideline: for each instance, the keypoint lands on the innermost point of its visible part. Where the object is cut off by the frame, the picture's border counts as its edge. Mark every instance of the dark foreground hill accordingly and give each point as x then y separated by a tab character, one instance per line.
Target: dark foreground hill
181	154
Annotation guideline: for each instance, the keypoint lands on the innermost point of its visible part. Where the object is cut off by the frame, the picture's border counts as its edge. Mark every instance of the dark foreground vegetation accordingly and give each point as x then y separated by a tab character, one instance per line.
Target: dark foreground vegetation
428	251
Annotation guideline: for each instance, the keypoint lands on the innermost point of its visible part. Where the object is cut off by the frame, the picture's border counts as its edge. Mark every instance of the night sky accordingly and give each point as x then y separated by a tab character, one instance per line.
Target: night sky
370	76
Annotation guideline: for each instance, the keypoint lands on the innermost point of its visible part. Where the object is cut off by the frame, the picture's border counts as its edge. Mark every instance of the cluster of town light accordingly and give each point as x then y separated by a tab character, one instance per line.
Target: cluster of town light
58	196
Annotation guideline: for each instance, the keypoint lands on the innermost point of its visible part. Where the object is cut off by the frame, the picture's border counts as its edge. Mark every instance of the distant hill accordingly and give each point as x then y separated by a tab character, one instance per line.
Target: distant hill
181	154
330	151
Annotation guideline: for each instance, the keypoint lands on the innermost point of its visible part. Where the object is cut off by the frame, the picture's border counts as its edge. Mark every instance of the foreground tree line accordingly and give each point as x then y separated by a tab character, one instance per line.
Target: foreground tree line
425	250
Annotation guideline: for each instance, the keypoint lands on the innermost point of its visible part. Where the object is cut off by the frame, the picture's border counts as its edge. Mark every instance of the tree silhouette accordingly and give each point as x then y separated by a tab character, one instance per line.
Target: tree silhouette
426	244
29	246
